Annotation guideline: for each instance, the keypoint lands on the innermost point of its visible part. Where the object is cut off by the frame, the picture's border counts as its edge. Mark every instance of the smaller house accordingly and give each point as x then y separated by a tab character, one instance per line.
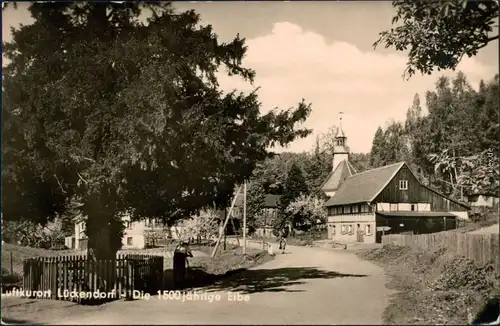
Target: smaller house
481	202
270	213
135	234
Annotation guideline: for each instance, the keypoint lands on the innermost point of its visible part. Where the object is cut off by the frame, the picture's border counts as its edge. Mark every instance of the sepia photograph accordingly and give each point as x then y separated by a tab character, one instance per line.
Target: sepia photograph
250	162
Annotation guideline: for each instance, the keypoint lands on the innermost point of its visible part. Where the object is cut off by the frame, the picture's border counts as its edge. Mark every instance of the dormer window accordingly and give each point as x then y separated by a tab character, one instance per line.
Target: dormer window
403	184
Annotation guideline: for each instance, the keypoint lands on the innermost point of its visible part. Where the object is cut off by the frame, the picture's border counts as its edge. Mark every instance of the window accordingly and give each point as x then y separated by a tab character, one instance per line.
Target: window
364	208
413	207
129	241
355	209
333	230
350	229
129	225
342	229
393	207
368	229
347	209
403	184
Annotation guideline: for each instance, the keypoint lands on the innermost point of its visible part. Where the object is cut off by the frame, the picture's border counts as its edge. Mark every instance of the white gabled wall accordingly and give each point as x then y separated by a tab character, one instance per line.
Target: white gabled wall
349	224
338	158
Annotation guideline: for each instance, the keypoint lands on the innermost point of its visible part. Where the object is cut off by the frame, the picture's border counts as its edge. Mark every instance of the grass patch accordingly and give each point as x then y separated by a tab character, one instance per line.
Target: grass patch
434	287
19	253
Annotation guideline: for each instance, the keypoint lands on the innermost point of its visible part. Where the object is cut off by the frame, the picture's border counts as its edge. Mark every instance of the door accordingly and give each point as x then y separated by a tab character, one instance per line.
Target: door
360	234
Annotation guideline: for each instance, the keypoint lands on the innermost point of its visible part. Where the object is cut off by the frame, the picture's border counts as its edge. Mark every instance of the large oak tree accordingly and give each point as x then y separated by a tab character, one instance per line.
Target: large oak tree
125	114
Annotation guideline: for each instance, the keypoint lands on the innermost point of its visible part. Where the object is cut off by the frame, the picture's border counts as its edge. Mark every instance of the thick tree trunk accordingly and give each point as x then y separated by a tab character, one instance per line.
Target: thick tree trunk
104	231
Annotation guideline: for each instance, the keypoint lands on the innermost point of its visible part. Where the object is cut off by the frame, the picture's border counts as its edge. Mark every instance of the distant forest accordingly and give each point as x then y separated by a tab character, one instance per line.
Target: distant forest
454	148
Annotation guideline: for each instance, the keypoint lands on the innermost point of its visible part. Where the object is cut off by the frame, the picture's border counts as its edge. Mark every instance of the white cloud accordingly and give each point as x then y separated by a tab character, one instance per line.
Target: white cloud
292	63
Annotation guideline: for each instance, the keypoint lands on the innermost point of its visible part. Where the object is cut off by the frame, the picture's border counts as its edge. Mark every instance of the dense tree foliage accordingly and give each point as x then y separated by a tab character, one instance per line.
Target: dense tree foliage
295	186
306	212
256	201
438	34
455	146
127	115
203	225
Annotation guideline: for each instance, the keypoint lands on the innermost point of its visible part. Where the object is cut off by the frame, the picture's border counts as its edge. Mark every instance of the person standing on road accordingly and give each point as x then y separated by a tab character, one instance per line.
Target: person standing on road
181	254
282	239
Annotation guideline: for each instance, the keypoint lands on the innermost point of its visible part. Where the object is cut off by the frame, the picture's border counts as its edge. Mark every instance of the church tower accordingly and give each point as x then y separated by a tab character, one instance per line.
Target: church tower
341	167
341	150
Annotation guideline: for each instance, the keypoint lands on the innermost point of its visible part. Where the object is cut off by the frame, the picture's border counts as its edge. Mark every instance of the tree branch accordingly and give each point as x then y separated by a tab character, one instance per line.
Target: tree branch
59	183
488	40
81	178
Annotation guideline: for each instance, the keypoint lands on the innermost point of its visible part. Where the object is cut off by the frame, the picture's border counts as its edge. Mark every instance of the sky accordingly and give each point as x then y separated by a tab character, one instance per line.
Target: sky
321	52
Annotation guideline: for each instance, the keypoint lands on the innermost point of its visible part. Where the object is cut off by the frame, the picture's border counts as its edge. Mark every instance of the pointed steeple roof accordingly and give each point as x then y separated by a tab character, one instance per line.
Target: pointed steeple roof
340	131
336	177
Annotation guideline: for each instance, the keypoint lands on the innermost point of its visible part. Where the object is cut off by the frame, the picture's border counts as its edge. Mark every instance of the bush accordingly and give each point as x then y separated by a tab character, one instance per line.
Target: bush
434	286
8	278
462	273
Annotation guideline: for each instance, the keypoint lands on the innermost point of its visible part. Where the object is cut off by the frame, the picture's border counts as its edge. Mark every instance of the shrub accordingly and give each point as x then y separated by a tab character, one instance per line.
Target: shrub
8	278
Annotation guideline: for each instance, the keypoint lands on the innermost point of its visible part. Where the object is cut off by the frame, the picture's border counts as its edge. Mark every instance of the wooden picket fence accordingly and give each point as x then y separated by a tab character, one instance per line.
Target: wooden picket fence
77	278
481	248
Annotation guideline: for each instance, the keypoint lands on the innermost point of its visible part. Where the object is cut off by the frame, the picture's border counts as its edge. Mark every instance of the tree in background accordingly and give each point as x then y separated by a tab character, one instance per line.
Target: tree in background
295	186
316	167
26	233
446	146
128	116
306	212
256	201
376	152
481	173
438	34
360	161
204	225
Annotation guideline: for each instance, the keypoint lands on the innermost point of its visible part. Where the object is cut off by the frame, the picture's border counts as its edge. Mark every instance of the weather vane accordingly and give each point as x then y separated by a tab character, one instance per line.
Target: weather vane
340	114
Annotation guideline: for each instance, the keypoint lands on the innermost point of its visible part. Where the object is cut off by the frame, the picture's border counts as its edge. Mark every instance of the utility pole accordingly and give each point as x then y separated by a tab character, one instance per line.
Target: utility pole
224	225
225	234
244	217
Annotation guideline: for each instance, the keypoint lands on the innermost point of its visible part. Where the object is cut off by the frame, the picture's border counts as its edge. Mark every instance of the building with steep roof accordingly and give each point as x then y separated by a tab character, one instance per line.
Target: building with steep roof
388	200
341	167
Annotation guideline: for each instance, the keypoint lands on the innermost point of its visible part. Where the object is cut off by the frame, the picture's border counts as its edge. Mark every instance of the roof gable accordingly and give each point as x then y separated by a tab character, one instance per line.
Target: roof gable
367	185
337	176
364	186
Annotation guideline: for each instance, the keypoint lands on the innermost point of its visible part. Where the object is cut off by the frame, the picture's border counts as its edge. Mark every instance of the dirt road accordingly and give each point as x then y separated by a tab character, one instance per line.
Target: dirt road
303	286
